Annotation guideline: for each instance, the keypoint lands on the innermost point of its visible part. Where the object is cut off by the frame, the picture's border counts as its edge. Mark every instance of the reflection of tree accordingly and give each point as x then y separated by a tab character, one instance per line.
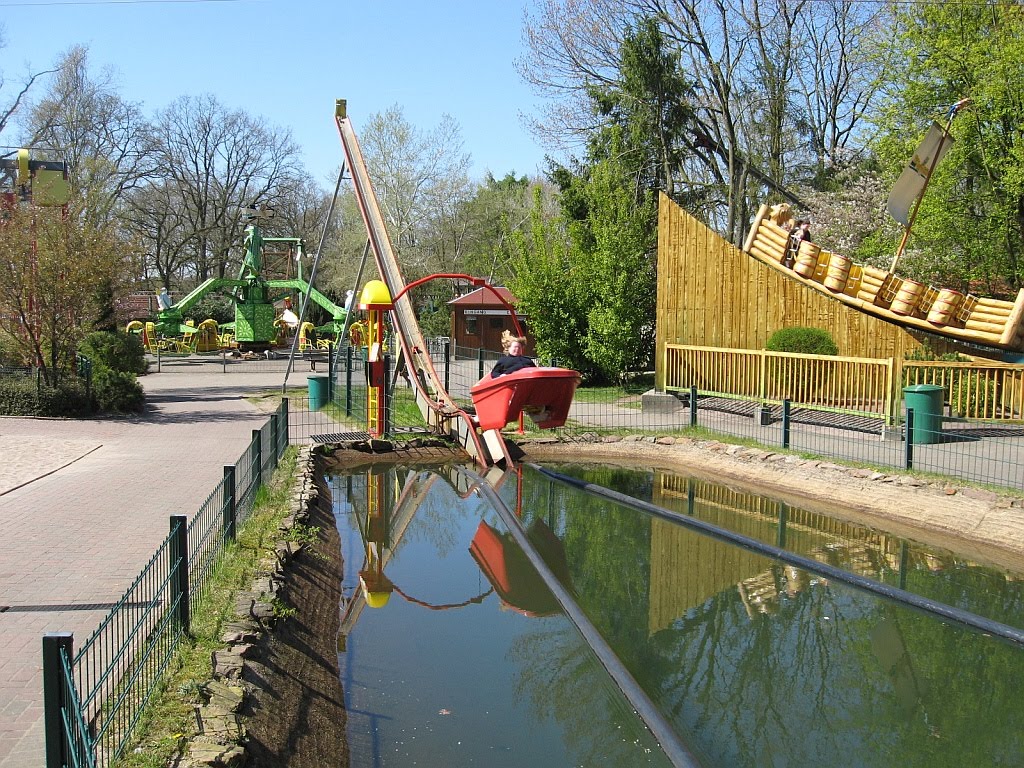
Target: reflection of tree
565	683
814	683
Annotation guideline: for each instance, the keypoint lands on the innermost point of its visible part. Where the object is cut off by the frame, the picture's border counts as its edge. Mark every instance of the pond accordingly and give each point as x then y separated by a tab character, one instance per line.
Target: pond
453	651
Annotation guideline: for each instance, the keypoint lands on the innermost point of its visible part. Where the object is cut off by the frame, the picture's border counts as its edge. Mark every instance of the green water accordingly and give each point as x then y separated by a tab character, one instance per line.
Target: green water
753	662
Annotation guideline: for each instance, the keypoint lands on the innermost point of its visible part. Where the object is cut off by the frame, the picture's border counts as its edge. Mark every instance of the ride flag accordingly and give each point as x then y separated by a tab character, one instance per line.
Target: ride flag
914	178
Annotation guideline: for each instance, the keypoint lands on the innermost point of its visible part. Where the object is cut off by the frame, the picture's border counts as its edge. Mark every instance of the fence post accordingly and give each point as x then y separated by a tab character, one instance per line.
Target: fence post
785	422
54	698
257	471
908	441
229	502
284	427
447	364
348	382
780	536
330	372
480	363
273	438
693	406
762	384
179	560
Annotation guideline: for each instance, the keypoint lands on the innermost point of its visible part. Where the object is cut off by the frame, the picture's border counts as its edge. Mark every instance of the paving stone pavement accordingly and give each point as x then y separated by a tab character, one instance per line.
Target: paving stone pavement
83	505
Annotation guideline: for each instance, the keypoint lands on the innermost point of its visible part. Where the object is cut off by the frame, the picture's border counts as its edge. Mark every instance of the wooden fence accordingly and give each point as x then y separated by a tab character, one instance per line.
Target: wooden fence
974	390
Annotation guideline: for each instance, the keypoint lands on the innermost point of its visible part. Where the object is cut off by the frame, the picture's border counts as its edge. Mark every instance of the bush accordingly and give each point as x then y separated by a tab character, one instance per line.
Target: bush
117	391
804	341
115	351
23	396
213	306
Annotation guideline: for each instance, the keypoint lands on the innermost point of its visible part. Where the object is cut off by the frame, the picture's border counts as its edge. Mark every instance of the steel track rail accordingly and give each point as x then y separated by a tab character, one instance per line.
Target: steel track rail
923	604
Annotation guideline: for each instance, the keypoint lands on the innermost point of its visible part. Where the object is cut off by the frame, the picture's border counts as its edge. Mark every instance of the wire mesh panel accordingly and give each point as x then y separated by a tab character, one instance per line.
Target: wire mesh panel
246	480
206	539
118	667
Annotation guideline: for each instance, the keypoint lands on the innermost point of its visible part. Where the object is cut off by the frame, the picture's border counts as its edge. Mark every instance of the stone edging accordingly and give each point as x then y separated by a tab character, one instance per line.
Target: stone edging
220	742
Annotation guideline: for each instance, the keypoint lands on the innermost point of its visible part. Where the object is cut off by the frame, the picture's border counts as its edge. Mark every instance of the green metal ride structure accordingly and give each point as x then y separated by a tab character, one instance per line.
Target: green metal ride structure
254	298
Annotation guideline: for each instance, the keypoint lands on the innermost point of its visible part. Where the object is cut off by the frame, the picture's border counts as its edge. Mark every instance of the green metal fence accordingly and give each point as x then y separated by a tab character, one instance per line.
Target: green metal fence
94	697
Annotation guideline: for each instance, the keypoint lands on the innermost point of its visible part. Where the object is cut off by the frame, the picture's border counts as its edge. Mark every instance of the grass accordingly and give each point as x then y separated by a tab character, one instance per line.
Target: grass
169	718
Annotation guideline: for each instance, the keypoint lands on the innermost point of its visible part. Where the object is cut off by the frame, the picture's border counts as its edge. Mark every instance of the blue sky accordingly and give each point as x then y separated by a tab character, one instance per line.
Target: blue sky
288	60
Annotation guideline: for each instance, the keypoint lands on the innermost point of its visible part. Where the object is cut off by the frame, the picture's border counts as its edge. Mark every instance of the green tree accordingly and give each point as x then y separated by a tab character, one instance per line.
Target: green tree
971	224
587	283
52	269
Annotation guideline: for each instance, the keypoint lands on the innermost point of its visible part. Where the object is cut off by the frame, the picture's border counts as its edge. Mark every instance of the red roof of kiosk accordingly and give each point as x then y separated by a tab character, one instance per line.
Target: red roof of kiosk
482	297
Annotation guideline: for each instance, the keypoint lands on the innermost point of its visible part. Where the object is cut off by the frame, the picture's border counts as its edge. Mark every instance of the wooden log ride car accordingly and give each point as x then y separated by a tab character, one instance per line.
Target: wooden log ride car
975	319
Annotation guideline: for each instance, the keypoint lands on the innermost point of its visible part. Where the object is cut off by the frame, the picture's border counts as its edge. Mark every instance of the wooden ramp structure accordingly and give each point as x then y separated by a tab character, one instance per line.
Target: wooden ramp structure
441	414
964	317
716	295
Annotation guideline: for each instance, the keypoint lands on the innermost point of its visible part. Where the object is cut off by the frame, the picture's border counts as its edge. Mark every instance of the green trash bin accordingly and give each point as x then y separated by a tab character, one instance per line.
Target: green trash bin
926	401
319	391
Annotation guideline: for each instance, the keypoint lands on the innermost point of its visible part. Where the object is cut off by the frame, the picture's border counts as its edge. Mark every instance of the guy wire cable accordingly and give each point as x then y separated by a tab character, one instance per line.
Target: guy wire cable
666	736
934	607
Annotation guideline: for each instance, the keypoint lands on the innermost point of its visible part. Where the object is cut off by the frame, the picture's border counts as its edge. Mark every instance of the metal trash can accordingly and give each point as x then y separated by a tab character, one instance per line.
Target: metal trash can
319	391
926	401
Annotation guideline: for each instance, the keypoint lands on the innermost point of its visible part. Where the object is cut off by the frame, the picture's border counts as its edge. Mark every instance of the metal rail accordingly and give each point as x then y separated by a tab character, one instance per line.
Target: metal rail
923	604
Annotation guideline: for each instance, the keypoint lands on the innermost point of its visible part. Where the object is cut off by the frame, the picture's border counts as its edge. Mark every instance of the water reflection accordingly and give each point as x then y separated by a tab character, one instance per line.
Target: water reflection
762	664
453	673
754	662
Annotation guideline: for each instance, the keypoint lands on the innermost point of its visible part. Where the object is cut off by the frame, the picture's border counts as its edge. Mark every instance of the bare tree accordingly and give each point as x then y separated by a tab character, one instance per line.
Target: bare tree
11	103
154	215
420	178
83	121
840	74
752	133
219	161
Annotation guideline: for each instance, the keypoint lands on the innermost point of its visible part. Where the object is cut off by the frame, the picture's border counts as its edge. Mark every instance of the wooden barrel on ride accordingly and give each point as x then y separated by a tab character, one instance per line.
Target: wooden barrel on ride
838	272
807	260
945	306
907	297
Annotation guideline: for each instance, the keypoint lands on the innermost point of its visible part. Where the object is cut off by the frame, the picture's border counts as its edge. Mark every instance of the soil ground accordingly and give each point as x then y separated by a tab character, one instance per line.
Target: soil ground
299	721
297	717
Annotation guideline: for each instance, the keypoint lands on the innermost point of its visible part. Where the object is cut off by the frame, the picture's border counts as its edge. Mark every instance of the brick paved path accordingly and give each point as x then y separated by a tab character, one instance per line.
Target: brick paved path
83	505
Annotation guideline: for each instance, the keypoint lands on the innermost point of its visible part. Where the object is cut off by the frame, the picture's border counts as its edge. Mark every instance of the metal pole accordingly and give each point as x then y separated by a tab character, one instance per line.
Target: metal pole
908	441
55	644
348	382
257	470
693	406
179	561
447	364
229	503
284	421
312	276
785	422
388	395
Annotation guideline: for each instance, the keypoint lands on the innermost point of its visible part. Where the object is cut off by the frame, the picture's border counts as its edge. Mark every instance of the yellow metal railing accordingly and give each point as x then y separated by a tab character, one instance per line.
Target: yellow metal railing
854	385
974	390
